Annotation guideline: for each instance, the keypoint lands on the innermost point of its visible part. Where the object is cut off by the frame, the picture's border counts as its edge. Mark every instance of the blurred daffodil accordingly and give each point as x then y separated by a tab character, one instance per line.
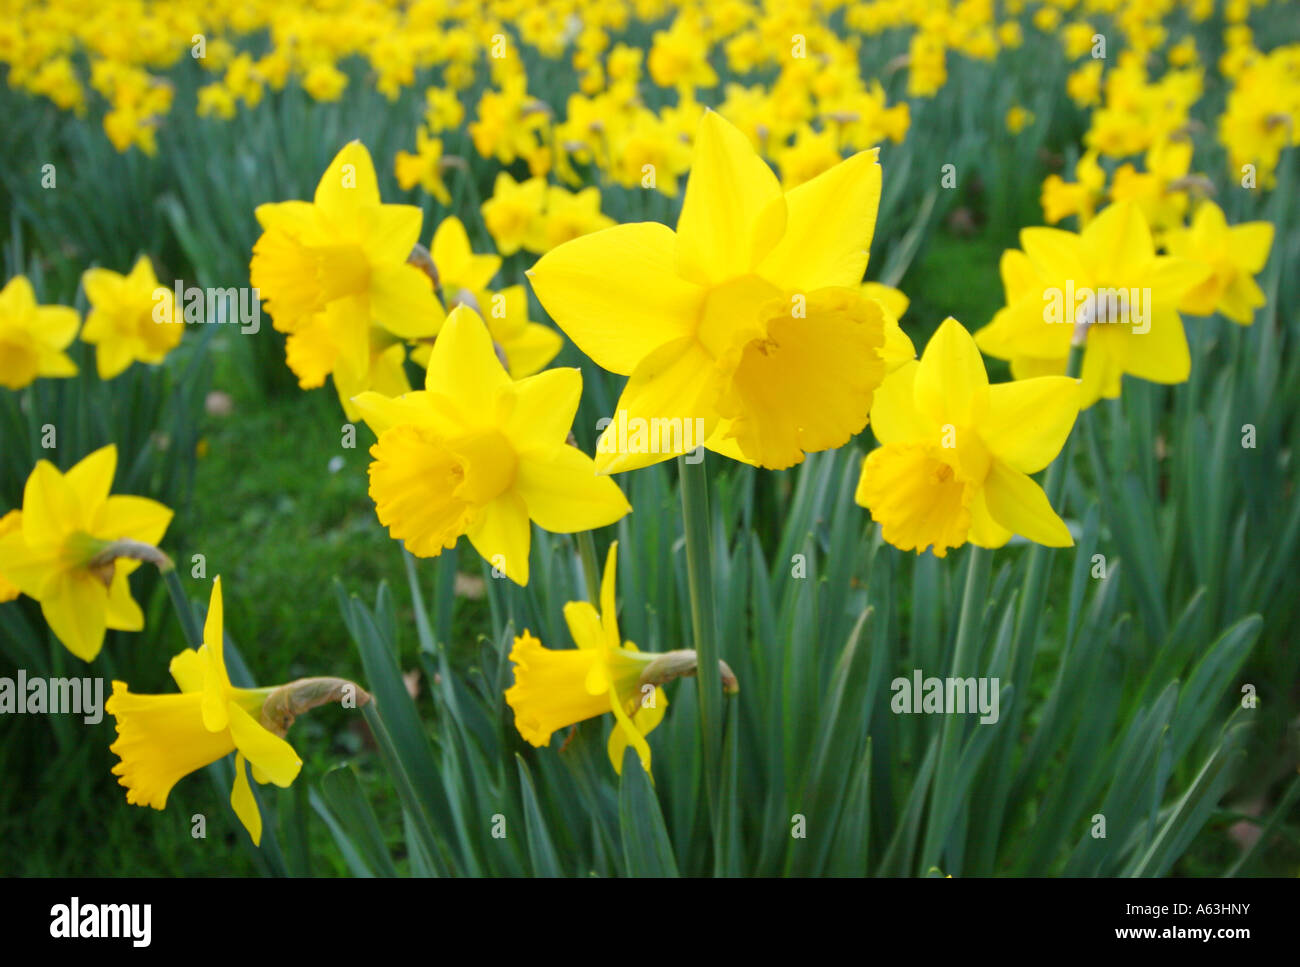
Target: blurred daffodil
76	544
334	269
131	318
33	338
1233	254
1106	286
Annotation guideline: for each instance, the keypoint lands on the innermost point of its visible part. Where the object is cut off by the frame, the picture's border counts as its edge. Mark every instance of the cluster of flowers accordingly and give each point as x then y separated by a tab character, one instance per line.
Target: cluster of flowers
750	320
803	103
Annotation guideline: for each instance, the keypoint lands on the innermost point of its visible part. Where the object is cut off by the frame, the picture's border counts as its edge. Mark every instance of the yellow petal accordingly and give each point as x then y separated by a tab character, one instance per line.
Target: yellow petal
243	803
584	624
544	408
631	734
564	495
733	212
1160	354
951	383
807	384
1119	242
1251	243
530	350
829	224
1029	420
188	669
616	293
402	301
608	602
670	400
550	691
464	365
91	478
138	518
266	750
160	739
349	183
123	613
502	536
1019	505
50	506
894	416
75	605
916	498
215	680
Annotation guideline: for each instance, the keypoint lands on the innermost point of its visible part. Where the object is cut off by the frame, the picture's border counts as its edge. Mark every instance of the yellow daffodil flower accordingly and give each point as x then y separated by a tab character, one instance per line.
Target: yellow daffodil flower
333	269
476	453
554	689
1108	280
1234	255
956	453
423	168
33	338
131	318
163	738
748	318
76	546
514	212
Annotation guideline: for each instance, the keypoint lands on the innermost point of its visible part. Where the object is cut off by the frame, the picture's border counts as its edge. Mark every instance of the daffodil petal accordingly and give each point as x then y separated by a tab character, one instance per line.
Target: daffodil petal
617	294
733	212
829	224
1029	420
266	750
243	803
1020	505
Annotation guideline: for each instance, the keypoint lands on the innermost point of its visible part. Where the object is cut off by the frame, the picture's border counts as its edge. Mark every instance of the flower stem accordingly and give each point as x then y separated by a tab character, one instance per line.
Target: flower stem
694	484
966	649
1033	595
590	566
184	609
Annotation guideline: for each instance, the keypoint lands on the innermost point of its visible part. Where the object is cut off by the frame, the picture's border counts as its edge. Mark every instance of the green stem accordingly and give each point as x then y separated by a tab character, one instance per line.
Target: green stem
969	625
694	484
590	566
1033	595
184	609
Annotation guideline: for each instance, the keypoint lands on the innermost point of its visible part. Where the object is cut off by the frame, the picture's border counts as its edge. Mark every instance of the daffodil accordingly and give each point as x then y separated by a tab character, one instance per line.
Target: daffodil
747	318
333	269
554	689
1234	255
423	168
479	454
513	213
131	318
163	738
33	338
1106	282
1018	118
75	547
956	453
